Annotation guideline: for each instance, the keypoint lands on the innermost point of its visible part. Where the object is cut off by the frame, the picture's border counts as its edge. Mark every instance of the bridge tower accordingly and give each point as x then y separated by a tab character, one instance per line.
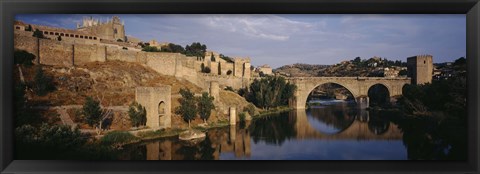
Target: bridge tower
420	69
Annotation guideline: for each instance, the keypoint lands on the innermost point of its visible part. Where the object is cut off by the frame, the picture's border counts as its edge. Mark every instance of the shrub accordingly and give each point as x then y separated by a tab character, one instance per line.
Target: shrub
92	111
242	116
125	48
23	57
250	109
206	70
229	88
229	72
138	114
117	138
43	83
38	34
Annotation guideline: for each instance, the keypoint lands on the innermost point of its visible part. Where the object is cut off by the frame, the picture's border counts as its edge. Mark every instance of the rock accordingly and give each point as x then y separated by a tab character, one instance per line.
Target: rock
191	134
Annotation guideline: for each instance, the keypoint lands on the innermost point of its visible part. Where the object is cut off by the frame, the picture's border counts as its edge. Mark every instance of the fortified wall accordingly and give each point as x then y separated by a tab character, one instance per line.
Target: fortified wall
54	52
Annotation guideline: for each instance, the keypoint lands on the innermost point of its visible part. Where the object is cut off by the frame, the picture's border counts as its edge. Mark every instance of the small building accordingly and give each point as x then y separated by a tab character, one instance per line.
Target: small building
265	69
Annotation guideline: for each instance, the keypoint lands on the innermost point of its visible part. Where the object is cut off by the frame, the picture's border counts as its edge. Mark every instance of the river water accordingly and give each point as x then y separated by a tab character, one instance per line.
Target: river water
333	130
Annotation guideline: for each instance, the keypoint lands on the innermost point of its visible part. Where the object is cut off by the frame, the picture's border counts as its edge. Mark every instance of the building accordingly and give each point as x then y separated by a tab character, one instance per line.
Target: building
390	72
265	69
420	69
112	29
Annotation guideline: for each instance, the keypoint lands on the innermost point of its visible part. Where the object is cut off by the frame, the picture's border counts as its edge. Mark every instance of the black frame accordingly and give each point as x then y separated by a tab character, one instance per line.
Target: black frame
9	8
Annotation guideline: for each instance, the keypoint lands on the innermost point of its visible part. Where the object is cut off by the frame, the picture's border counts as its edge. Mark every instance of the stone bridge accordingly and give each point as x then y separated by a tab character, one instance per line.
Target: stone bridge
359	129
358	86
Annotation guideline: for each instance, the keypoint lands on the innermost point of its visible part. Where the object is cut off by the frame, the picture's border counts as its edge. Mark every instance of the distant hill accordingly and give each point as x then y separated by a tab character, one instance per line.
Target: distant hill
300	70
372	67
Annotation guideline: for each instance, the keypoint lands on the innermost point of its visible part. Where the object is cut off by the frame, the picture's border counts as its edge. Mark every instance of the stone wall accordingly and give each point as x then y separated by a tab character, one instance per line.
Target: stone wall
53	52
88	53
27	43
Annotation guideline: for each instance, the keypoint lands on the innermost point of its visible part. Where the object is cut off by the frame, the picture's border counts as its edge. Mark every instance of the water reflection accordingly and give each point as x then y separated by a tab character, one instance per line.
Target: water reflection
334	132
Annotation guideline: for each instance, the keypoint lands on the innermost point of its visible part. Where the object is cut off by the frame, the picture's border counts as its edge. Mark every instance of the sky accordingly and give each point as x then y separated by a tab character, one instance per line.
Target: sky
284	39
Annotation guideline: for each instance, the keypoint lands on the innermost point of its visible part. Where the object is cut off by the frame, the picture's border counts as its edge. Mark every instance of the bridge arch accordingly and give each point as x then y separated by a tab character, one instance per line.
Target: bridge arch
326	83
379	94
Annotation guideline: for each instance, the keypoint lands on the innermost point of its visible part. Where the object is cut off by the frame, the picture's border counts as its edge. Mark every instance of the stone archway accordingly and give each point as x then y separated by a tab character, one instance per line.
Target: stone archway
379	95
157	102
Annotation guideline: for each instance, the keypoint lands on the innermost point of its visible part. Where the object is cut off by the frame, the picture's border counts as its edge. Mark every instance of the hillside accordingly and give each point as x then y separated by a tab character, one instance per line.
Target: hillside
114	82
300	70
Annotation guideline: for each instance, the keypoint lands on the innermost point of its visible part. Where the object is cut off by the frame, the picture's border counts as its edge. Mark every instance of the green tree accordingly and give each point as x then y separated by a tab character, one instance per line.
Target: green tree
23	57
137	114
43	83
212	58
38	34
29	28
219	69
205	106
150	49
196	49
403	72
92	111
270	92
59	38
188	107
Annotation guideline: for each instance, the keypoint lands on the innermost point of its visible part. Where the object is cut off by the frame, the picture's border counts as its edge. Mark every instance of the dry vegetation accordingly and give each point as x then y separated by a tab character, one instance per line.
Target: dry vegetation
114	82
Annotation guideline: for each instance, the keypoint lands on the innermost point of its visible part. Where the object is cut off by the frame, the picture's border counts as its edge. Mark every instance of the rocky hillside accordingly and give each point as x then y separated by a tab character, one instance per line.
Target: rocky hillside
112	82
300	70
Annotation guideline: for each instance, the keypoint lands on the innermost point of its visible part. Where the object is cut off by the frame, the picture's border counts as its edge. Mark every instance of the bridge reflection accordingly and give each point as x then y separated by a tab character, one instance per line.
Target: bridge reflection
362	127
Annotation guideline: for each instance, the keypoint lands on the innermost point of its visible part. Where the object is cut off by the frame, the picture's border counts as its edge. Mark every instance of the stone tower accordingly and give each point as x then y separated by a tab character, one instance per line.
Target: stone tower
157	103
420	69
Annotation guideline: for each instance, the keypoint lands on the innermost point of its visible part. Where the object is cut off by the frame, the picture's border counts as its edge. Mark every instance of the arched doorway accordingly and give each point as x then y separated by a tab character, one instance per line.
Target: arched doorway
379	96
161	109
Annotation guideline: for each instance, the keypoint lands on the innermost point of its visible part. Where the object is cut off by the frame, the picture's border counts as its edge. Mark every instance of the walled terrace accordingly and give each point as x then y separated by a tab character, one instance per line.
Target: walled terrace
78	51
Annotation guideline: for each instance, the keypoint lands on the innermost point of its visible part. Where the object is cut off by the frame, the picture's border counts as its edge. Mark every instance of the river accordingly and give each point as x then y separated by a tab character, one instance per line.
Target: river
334	130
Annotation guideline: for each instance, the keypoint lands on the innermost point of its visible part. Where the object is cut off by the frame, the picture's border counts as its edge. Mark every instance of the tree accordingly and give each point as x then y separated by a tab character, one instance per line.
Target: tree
43	83
270	92
137	114
59	38
205	106
92	111
188	107
219	68
29	28
23	57
212	58
196	49
38	34
403	72
150	49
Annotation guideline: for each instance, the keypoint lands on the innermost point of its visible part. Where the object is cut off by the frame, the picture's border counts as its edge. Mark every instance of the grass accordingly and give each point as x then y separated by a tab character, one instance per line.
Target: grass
272	111
118	138
148	135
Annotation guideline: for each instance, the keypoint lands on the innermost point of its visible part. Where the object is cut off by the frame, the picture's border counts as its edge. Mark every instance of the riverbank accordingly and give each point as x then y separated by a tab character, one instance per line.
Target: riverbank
141	136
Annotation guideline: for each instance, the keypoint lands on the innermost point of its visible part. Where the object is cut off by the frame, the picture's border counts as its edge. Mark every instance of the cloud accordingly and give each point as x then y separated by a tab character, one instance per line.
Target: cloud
283	39
259	26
